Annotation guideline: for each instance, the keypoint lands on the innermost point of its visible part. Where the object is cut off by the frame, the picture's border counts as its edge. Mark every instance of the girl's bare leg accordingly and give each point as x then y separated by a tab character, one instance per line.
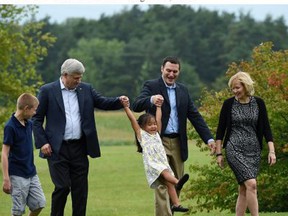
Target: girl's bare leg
172	194
169	177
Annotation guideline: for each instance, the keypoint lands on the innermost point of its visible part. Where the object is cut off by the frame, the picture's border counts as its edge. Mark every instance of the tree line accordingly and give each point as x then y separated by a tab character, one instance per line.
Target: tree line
123	50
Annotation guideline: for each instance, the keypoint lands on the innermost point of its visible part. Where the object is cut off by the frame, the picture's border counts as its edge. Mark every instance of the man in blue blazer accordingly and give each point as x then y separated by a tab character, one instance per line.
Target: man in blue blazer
176	109
67	110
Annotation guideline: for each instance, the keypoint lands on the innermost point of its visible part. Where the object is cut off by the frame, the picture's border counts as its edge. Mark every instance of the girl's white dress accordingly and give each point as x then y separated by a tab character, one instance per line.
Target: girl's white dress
154	157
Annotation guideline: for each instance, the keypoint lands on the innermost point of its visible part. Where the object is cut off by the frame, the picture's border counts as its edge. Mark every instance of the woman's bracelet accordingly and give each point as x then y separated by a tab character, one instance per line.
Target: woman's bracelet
272	152
219	154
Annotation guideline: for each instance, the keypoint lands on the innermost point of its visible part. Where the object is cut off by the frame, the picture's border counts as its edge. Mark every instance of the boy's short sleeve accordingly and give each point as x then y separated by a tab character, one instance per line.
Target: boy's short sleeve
9	135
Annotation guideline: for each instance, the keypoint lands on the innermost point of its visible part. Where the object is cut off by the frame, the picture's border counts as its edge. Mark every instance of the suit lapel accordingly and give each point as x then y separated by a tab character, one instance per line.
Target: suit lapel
178	96
80	97
163	90
58	95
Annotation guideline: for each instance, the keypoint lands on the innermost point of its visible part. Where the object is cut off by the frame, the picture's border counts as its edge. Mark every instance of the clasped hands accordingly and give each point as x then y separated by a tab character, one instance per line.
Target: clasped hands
125	101
46	150
157	100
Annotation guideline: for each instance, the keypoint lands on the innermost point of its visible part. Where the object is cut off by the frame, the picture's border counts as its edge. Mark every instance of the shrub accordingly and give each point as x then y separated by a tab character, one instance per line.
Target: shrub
217	189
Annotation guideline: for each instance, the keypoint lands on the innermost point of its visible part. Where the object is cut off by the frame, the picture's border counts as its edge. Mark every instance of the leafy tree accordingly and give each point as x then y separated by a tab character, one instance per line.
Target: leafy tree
126	25
104	64
190	78
268	69
67	35
22	45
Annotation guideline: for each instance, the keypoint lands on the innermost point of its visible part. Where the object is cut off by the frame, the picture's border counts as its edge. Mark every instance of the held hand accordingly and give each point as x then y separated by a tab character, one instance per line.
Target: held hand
157	100
125	101
220	161
271	158
6	186
212	146
46	150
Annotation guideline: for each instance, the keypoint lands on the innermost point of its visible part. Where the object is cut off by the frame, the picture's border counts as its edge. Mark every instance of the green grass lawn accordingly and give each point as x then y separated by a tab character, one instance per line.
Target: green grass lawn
117	182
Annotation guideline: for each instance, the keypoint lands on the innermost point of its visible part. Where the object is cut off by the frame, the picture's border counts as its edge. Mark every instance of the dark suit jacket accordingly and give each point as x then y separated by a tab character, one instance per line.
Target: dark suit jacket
51	110
185	107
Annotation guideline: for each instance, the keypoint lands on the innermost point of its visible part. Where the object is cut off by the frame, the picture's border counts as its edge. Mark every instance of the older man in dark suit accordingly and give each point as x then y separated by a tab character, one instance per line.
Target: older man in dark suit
176	109
67	108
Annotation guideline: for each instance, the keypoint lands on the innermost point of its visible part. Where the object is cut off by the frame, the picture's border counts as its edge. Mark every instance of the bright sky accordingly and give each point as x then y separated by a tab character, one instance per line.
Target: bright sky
59	12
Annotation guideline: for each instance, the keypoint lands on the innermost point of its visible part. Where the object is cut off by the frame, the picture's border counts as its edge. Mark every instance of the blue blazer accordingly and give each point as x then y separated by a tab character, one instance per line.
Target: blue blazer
185	107
51	112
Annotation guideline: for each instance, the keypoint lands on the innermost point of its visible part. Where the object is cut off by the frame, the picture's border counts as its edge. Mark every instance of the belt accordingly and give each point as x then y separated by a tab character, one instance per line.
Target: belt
72	141
172	135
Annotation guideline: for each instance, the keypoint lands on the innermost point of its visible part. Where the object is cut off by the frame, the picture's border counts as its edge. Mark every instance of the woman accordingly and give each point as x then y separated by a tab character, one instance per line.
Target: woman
244	121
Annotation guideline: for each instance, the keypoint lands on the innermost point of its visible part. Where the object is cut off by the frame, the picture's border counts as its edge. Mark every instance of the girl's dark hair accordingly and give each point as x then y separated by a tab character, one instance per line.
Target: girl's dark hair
142	121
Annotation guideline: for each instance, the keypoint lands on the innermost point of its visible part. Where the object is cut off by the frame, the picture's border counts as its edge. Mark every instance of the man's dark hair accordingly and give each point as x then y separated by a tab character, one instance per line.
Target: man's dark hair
171	59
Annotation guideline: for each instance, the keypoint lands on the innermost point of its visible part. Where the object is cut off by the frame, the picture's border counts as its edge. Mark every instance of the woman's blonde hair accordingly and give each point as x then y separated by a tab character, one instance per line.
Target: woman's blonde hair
245	79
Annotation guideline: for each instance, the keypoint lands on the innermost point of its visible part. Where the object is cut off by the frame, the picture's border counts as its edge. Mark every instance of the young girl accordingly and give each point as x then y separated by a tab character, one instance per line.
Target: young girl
155	161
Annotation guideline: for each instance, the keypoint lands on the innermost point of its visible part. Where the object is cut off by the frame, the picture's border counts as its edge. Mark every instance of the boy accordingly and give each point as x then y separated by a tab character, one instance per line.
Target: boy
19	172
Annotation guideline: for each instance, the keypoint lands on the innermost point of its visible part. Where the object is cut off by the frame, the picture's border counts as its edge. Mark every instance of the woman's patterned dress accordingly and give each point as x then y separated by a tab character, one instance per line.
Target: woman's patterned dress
154	157
243	150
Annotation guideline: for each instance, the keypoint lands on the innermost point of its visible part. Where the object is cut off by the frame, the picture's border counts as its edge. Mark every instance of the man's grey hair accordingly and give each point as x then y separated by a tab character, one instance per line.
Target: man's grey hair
71	66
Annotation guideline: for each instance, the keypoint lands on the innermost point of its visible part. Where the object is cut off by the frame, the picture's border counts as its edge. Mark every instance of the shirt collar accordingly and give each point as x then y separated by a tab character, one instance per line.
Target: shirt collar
167	86
15	120
62	86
